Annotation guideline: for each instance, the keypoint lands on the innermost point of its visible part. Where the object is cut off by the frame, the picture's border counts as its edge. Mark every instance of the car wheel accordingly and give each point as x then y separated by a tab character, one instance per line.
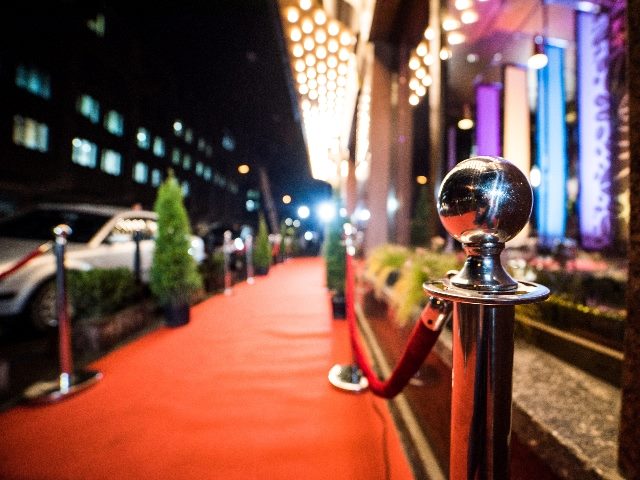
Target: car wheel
42	309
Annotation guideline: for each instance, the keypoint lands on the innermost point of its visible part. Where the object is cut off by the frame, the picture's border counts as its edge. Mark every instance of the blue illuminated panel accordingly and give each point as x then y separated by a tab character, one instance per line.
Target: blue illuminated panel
594	130
551	149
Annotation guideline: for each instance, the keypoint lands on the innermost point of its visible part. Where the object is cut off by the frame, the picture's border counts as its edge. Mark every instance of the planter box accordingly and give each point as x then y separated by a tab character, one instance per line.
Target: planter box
101	334
339	307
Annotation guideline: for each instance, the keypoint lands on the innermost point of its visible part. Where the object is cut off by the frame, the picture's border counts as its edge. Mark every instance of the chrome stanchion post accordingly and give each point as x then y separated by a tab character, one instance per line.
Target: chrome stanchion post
62	311
227	249
69	381
483	202
137	264
248	246
349	377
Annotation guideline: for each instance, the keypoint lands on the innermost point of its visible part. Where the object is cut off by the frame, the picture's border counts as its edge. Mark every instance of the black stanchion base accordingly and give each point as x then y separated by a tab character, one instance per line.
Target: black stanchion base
60	388
348	378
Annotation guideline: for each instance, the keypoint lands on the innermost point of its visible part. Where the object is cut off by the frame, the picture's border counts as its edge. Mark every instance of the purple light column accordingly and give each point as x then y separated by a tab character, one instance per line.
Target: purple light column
594	130
488	141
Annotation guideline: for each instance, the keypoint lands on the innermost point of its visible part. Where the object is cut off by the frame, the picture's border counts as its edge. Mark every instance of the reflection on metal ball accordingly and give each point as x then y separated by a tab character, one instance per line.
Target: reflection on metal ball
485	200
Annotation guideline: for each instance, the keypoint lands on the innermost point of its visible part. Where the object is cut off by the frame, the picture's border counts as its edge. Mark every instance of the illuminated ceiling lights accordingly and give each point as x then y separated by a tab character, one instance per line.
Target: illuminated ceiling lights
419	61
460	14
321	52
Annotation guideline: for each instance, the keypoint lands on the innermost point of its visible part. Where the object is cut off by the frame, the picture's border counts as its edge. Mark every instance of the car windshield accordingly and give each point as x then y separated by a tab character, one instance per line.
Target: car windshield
39	224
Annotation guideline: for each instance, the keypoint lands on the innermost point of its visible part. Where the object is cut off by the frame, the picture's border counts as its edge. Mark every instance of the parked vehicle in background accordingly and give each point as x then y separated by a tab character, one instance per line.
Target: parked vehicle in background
102	237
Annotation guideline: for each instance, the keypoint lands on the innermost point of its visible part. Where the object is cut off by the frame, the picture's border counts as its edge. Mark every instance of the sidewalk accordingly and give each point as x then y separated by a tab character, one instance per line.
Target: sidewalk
239	393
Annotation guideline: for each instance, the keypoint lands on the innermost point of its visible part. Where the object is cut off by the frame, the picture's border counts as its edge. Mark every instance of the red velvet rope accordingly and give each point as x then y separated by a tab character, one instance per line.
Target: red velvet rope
420	343
44	248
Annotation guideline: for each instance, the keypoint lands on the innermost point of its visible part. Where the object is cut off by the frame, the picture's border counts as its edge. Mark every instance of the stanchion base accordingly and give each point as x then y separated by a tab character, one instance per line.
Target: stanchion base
250	280
348	378
60	388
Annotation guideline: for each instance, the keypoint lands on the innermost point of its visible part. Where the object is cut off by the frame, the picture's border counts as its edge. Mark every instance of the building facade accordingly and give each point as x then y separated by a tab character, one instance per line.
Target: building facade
89	116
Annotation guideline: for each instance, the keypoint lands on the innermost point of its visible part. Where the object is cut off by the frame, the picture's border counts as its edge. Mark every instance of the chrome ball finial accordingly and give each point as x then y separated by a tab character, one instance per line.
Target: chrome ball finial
484	202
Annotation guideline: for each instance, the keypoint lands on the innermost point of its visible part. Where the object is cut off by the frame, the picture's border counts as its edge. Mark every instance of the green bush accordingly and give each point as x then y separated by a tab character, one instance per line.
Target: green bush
262	248
102	291
334	254
422	224
585	287
174	273
283	242
604	325
408	293
383	262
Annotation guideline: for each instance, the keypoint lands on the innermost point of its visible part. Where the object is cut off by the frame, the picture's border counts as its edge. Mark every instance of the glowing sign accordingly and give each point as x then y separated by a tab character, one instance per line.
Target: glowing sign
594	130
551	140
488	119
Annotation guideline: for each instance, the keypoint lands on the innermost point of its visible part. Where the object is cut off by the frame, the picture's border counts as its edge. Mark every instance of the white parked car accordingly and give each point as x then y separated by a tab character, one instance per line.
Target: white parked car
102	237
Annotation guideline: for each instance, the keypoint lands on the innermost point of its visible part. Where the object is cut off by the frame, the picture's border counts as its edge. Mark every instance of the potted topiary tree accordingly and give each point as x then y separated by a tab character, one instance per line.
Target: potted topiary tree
262	249
334	253
174	277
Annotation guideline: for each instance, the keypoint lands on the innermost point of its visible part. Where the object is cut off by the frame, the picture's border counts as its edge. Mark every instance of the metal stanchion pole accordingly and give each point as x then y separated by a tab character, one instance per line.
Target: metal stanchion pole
137	236
227	249
248	246
69	381
483	202
349	377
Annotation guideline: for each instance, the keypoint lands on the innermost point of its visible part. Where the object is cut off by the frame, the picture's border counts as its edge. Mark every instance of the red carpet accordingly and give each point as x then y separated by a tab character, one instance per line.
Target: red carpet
241	392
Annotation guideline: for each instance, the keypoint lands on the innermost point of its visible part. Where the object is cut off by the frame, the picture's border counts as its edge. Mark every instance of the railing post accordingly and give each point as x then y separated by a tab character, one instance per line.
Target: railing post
70	380
248	246
349	377
137	263
483	202
227	249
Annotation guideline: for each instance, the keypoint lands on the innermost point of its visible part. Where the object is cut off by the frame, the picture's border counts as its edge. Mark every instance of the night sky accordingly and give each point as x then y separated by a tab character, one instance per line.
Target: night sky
230	61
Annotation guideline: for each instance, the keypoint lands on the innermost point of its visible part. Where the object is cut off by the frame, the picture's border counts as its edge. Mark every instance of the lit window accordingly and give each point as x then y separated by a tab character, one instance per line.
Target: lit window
186	162
209	151
188	135
84	153
158	147
34	81
185	188
143	139
111	162
201	144
199	168
219	180
156	177
30	134
140	172
114	123
97	25
175	156
177	128
207	173
228	142
253	194
88	107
